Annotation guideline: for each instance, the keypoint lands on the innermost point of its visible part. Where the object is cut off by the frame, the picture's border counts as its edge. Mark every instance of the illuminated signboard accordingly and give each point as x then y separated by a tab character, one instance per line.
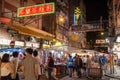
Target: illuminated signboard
5	42
100	41
32	44
77	16
19	43
38	9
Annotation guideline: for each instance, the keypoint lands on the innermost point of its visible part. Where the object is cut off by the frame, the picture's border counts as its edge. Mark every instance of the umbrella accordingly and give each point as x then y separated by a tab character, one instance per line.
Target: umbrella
10	50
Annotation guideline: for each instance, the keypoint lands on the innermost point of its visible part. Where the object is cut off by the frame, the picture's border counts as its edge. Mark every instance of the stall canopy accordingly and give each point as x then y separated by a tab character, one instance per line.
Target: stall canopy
26	30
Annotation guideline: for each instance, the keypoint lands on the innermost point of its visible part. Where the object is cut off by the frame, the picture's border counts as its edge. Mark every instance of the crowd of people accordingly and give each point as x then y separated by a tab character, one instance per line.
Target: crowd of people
31	65
83	64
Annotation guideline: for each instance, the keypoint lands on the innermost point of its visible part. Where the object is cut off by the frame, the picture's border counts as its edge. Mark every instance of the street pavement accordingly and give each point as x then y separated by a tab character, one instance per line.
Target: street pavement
72	78
76	78
115	76
116	73
83	78
108	76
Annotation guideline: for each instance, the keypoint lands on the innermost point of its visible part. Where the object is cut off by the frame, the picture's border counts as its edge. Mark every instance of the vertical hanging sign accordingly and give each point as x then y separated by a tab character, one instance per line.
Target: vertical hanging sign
77	16
39	9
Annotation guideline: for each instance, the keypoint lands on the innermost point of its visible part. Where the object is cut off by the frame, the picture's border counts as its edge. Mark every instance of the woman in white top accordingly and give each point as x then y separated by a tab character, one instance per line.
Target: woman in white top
6	69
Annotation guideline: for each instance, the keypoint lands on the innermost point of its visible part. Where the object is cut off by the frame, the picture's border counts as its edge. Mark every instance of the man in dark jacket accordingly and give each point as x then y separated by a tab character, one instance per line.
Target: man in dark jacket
78	64
50	64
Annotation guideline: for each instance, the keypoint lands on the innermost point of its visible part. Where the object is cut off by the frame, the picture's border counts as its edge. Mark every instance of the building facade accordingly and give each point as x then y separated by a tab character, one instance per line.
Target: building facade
29	28
77	17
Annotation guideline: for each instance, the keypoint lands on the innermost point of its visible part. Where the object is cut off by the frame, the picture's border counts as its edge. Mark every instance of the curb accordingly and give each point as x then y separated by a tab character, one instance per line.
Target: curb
115	77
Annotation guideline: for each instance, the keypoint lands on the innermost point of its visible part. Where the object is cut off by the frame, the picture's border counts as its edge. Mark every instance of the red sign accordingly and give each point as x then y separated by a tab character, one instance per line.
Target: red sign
5	20
39	9
100	41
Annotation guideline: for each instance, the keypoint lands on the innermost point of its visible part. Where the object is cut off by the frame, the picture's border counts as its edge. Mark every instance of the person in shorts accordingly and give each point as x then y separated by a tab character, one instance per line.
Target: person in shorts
70	65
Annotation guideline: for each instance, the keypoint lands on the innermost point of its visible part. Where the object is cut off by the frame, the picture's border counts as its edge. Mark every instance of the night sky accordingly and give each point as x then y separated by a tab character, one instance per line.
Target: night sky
95	9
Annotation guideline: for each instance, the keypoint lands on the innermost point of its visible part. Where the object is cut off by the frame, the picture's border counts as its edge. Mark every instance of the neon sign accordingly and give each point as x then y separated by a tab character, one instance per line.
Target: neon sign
38	9
77	15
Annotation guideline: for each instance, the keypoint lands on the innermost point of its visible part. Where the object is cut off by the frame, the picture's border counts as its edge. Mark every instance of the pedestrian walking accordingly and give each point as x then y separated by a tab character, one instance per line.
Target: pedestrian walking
70	65
103	61
14	63
84	62
88	65
30	66
35	54
50	65
53	74
6	68
78	64
74	65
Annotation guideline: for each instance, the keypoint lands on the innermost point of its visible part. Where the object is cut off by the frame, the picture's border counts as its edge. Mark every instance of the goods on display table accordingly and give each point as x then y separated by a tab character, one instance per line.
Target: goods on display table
61	68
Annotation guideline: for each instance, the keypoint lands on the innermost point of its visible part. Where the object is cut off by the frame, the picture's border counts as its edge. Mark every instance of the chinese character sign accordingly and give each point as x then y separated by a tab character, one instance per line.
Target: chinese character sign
77	16
39	9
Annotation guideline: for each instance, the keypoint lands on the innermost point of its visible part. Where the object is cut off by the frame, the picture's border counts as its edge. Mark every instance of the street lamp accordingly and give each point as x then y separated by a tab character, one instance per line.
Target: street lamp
102	33
61	19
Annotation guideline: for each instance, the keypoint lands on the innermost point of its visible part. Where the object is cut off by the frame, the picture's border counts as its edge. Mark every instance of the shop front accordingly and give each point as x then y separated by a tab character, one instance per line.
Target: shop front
59	53
44	51
9	46
5	43
116	50
33	45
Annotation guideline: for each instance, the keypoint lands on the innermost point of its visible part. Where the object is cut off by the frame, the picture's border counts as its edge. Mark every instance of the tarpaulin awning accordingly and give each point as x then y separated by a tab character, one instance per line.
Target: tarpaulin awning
5	50
27	30
40	31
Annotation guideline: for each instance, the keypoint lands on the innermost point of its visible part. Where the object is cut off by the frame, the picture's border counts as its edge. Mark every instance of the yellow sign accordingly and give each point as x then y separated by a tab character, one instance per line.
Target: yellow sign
74	37
77	16
46	46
